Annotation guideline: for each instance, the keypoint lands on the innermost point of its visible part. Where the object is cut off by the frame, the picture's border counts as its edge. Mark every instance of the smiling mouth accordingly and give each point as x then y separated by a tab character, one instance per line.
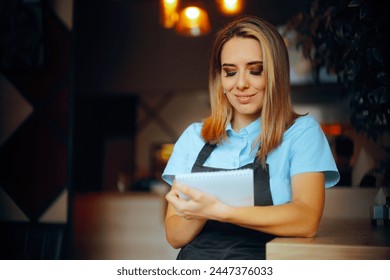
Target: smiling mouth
244	99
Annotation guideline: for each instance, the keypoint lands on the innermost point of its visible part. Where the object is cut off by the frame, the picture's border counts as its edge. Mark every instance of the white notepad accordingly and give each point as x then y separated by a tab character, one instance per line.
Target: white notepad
233	187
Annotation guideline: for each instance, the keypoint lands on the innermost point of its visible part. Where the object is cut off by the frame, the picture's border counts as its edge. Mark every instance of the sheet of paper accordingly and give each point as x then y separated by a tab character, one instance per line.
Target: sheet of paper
233	187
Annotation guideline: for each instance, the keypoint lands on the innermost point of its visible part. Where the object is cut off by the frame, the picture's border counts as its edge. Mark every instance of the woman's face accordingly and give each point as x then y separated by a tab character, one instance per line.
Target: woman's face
243	78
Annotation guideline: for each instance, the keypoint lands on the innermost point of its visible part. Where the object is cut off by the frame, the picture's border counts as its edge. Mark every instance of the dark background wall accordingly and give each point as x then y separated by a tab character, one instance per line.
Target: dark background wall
121	47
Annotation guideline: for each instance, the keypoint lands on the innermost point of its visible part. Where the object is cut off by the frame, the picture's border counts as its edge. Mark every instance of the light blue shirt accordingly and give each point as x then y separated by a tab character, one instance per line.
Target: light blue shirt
304	148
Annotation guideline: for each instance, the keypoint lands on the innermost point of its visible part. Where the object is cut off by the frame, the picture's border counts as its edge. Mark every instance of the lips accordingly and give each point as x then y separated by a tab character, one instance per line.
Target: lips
245	98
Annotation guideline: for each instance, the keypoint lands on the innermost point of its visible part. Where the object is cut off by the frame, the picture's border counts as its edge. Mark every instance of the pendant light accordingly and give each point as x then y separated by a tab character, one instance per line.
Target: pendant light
190	18
169	13
193	20
230	7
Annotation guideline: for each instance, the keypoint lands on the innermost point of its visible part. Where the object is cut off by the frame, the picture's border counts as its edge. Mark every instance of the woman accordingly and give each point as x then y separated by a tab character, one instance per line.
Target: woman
252	125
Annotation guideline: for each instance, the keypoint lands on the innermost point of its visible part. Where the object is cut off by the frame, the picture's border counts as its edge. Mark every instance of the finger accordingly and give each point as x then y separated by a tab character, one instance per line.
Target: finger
177	204
171	196
183	216
191	217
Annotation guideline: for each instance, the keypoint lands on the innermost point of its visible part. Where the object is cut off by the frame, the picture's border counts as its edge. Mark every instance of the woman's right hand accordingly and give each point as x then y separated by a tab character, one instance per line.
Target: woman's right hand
179	231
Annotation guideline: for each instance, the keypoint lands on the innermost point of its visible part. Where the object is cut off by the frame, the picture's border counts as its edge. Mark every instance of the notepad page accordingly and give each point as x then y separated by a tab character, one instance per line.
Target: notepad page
233	187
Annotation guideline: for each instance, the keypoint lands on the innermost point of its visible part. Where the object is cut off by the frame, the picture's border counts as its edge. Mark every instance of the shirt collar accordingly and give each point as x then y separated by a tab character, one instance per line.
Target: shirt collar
251	129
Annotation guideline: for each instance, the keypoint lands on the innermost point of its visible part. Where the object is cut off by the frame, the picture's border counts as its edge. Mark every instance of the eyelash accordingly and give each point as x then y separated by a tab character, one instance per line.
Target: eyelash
230	74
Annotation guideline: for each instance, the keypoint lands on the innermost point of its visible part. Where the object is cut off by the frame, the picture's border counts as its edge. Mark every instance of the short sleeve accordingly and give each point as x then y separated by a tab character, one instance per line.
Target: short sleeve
186	147
311	153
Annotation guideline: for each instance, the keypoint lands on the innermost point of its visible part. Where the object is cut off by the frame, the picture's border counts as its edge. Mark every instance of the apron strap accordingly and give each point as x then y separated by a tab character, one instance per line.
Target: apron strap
203	155
262	189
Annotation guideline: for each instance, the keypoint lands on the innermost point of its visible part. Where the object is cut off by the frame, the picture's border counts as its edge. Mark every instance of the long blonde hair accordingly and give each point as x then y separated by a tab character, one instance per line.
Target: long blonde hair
277	113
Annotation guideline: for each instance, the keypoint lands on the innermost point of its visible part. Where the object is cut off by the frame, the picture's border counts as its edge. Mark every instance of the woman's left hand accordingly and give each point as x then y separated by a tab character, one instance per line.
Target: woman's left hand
198	205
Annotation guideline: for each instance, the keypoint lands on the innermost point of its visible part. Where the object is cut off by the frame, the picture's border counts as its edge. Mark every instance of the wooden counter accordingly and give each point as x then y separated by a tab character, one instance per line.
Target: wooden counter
337	239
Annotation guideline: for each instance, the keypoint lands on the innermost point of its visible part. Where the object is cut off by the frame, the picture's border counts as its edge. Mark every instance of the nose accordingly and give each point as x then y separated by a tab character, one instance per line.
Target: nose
242	80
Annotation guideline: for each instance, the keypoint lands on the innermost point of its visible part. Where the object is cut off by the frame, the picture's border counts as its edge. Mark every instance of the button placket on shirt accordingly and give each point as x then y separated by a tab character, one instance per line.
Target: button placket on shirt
244	139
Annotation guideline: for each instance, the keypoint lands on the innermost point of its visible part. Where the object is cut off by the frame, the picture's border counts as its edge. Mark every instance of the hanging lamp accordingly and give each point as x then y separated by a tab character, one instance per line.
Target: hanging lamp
193	20
169	13
230	7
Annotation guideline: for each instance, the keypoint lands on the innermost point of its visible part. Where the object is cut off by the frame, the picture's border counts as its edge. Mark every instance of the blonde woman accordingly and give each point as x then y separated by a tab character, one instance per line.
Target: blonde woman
252	125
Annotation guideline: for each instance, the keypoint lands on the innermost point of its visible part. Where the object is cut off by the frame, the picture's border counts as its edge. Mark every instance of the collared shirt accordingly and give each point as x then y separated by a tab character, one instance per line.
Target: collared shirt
304	148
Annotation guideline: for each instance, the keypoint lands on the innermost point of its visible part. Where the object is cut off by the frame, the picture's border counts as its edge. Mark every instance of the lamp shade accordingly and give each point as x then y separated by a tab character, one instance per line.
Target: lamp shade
193	21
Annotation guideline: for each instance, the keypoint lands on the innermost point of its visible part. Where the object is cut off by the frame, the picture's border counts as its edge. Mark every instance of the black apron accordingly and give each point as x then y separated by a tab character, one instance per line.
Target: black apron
218	241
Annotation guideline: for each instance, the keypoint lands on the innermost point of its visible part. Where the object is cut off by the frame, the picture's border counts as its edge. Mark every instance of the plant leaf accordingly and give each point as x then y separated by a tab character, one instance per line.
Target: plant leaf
364	11
377	55
356	3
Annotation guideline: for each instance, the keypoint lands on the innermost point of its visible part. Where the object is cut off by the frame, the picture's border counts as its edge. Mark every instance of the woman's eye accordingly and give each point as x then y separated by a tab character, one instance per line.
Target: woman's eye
256	72
229	72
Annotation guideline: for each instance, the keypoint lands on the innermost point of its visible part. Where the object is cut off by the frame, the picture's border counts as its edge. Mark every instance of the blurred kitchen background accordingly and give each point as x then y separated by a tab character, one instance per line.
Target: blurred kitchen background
93	95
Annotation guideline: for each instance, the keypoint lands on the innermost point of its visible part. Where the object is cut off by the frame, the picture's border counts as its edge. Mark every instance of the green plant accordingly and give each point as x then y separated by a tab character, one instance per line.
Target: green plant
349	39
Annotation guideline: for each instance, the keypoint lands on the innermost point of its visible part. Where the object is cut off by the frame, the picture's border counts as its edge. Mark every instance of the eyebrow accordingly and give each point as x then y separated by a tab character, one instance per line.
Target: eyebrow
250	63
